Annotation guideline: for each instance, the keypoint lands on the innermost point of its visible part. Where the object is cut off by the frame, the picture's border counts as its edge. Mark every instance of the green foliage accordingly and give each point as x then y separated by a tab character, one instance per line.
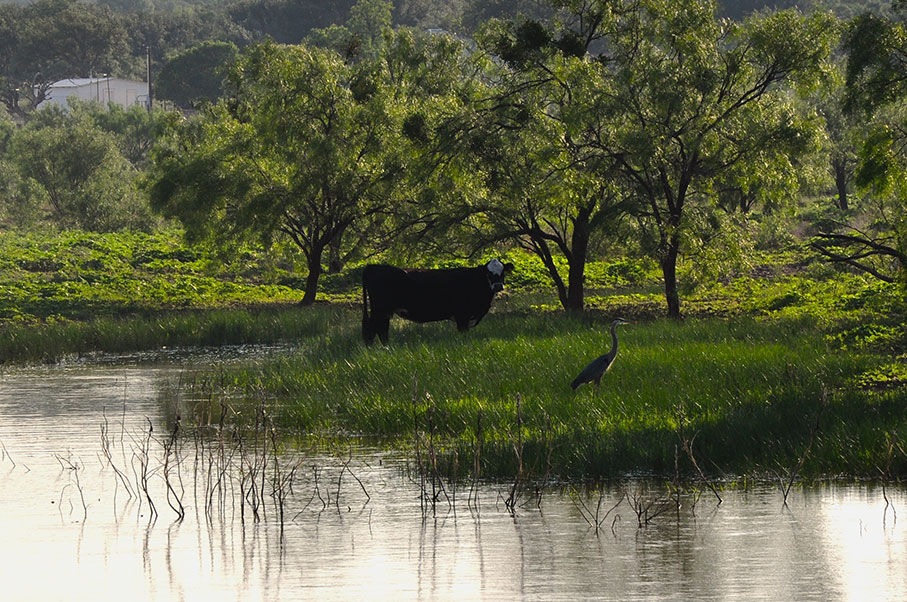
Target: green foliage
309	150
74	172
875	64
41	51
750	389
669	116
80	275
196	75
134	129
286	21
875	87
531	274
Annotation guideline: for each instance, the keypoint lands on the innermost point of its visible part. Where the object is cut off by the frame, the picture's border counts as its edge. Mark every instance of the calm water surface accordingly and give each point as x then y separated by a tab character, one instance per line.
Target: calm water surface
71	531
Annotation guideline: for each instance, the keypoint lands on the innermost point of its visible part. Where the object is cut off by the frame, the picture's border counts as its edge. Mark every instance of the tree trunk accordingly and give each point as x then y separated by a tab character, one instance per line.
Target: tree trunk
576	274
311	279
840	166
669	271
335	258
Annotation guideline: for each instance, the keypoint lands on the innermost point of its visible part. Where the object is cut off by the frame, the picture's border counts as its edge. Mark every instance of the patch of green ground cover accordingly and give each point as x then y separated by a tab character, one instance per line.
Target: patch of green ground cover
750	390
48	343
81	275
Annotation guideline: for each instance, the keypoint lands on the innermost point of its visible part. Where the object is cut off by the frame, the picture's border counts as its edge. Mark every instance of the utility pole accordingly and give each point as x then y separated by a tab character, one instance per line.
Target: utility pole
148	74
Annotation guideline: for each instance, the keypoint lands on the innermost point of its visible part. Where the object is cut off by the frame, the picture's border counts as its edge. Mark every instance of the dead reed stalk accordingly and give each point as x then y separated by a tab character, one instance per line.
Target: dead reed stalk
687	443
813	433
511	501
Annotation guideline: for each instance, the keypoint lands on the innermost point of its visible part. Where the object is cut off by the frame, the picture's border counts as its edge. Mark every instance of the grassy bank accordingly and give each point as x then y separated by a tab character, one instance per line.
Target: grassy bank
750	391
49	343
743	378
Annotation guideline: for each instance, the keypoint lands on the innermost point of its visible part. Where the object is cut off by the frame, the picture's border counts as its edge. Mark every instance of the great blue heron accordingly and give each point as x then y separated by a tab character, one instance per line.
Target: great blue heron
597	368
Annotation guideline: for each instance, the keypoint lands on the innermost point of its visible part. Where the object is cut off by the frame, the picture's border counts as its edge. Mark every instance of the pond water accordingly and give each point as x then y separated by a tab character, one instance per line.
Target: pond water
354	526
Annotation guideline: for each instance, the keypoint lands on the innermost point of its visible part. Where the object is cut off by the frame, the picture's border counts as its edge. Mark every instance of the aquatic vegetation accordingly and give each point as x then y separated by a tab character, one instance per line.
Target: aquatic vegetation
742	376
746	391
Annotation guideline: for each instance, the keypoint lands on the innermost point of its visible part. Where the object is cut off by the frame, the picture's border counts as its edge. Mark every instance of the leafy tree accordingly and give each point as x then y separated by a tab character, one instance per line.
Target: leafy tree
167	33
305	150
10	19
55	39
678	102
77	173
363	33
877	87
287	21
134	129
520	177
843	131
431	79
196	75
15	206
426	14
7	129
478	12
652	109
876	62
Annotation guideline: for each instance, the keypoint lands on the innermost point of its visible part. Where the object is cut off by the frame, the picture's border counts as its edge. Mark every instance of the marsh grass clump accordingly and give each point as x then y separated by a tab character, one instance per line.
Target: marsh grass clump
747	388
49	343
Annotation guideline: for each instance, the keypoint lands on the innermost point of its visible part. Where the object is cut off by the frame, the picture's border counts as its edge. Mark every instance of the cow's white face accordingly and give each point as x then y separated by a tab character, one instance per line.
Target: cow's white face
496	272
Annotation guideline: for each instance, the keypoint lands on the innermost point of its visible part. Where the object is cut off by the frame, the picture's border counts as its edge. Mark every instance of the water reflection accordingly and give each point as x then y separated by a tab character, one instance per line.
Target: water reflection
70	529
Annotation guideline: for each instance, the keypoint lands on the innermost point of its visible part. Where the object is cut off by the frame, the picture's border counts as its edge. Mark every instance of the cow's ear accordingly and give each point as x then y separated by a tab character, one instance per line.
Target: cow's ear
508	267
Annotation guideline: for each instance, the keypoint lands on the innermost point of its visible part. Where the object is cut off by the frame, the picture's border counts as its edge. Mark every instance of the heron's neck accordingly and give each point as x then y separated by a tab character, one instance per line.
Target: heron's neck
613	339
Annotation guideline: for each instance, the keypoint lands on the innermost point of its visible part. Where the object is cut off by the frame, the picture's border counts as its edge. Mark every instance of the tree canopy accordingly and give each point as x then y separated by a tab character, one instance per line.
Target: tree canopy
308	147
196	75
647	109
876	88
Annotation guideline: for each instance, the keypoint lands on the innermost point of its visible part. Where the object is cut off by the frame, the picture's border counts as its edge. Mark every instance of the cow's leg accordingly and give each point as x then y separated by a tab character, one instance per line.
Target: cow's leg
368	331
462	322
381	326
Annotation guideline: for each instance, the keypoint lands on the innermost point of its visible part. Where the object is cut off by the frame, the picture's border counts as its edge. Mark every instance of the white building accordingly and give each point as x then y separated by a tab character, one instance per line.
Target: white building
104	90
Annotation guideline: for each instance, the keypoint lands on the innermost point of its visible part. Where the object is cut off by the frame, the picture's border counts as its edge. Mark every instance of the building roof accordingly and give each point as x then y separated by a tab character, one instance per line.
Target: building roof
77	82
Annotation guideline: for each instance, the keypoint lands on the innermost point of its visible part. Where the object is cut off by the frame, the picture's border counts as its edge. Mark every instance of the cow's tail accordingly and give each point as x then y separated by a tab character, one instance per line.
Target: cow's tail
367	334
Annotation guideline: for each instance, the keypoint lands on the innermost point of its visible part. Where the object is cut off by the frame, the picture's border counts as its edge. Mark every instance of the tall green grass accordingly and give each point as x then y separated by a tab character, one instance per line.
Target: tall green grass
749	390
48	343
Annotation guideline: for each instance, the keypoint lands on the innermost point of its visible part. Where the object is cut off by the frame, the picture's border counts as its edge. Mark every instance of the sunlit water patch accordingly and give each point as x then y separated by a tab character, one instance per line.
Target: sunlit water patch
351	523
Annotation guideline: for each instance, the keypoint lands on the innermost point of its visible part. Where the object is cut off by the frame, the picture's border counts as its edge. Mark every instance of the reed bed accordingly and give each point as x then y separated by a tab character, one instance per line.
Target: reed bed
744	395
53	342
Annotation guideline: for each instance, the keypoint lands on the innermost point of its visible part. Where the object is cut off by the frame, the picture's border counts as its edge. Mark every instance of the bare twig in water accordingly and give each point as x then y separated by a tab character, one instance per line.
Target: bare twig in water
73	466
646	506
174	499
687	444
596	519
417	441
75	474
108	454
473	498
814	431
145	471
6	454
892	444
511	500
345	467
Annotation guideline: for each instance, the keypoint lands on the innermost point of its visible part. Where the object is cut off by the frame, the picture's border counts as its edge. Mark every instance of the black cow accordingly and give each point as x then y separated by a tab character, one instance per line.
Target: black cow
461	294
